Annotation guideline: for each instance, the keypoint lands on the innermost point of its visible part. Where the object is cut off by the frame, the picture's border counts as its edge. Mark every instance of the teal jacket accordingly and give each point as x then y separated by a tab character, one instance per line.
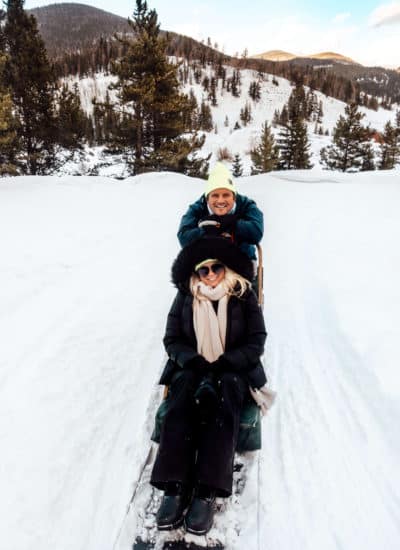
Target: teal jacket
249	226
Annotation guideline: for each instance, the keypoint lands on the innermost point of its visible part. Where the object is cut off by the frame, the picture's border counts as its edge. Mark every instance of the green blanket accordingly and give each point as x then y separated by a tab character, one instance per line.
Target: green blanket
249	438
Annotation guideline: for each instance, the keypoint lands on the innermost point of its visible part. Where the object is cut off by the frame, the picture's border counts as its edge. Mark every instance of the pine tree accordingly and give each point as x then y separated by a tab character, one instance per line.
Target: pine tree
71	120
320	113
398	122
284	116
349	136
368	158
349	93
190	116
293	141
110	127
255	90
8	135
245	114
205	119
294	145
390	148
310	106
206	83
297	103
30	79
276	118
148	88
237	168
265	156
233	84
373	103
212	95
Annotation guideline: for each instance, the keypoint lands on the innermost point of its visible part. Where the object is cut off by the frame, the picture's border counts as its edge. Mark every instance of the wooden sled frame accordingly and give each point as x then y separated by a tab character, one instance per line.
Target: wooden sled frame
260	276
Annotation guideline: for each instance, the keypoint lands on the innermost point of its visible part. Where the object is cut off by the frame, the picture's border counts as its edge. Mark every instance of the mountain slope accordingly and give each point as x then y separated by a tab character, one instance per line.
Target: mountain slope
372	80
275	92
85	25
332	56
79	50
275	55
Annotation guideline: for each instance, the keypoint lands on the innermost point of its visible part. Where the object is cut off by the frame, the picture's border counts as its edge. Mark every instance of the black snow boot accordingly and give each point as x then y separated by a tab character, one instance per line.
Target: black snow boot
173	505
199	517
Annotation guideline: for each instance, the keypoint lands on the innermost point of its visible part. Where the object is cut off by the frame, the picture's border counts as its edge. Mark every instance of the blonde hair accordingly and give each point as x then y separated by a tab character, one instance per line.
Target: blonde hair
234	284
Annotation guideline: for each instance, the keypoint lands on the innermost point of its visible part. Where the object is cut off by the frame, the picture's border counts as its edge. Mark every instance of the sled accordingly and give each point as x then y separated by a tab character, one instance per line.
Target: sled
139	523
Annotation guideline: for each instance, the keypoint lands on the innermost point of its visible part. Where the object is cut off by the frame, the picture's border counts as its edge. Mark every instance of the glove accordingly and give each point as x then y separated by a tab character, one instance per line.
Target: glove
211	219
264	397
206	397
220	365
227	223
197	362
211	225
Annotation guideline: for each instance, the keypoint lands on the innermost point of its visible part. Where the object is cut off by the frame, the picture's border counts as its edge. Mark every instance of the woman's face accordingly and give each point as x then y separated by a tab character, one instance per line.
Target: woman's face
211	273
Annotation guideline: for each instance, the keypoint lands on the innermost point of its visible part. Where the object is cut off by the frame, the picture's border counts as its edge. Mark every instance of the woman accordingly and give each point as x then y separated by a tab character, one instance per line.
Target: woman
214	340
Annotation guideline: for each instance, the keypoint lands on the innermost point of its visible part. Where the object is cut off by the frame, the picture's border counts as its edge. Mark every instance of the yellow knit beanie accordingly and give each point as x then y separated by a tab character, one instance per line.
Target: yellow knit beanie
219	178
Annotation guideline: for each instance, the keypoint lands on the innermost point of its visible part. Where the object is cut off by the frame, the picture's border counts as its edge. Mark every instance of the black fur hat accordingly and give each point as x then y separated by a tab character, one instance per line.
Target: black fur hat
219	248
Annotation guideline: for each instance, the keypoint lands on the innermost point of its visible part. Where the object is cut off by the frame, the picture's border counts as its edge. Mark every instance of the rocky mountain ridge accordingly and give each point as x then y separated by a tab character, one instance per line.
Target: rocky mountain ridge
280	55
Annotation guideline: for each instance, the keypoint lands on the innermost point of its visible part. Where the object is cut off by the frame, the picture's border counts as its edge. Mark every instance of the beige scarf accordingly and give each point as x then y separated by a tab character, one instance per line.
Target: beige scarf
210	327
210	330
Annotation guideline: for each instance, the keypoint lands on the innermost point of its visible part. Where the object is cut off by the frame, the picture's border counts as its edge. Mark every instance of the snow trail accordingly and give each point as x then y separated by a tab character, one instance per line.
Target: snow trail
332	429
84	296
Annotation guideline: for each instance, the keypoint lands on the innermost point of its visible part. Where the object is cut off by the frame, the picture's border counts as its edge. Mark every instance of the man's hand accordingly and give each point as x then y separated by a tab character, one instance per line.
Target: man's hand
211	225
227	222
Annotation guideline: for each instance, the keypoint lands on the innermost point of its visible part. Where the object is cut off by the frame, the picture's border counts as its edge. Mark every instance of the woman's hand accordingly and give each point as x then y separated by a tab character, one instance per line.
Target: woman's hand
197	363
220	365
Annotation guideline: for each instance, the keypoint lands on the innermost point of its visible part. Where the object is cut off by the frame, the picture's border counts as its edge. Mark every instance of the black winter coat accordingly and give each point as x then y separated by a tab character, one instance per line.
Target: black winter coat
245	337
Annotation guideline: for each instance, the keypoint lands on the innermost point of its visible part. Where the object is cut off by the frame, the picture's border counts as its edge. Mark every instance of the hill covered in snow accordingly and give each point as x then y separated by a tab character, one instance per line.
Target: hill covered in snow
84	294
275	92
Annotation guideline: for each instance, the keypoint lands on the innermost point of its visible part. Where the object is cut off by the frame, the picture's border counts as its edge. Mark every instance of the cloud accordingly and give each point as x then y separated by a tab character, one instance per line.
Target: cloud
385	15
340	17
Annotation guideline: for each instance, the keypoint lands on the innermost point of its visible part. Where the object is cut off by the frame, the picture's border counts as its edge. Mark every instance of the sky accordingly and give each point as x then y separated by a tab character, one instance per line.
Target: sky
366	30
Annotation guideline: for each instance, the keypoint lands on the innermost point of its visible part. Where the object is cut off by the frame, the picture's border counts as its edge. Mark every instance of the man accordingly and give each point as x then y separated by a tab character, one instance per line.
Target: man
223	211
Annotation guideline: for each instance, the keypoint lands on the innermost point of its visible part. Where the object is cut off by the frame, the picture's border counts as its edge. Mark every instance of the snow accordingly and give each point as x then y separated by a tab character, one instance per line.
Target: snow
84	294
241	141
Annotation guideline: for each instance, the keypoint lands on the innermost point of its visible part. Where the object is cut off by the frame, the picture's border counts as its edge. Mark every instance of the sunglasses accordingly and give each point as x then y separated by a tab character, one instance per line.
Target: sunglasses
215	268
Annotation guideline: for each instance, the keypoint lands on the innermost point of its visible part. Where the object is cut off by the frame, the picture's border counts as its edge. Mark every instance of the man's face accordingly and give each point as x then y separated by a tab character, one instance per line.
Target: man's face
221	201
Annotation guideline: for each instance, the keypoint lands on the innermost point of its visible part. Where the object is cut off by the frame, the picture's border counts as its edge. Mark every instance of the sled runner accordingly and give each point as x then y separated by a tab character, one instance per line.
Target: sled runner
225	532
